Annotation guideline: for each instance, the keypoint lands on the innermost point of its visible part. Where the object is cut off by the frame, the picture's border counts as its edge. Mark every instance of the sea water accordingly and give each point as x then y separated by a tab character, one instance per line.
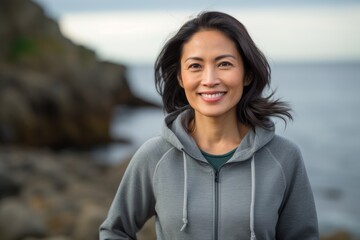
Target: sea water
326	102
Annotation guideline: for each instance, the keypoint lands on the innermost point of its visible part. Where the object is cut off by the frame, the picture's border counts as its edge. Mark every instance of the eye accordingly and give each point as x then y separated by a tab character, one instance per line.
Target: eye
194	66
225	65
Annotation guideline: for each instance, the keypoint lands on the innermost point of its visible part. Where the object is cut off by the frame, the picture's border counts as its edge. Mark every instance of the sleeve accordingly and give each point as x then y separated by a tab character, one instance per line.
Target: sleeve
133	203
297	215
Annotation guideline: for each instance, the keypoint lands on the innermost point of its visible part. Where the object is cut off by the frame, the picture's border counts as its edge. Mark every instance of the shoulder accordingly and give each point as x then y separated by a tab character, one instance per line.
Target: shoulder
154	146
286	153
151	151
280	145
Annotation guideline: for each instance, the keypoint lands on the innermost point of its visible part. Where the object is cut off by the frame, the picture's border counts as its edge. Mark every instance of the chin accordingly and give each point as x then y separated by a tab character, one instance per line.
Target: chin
212	112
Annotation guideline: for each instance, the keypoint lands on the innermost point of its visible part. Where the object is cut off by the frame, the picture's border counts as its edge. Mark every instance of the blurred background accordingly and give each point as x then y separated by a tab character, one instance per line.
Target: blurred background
77	99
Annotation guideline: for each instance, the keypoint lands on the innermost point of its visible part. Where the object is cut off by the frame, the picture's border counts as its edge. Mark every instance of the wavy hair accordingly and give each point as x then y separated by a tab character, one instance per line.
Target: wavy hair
253	109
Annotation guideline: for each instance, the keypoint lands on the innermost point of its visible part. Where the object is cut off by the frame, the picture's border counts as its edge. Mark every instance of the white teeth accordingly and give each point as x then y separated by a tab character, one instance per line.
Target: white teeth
212	95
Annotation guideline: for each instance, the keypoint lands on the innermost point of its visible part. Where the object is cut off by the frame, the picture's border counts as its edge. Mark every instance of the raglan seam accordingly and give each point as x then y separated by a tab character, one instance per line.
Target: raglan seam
158	163
279	164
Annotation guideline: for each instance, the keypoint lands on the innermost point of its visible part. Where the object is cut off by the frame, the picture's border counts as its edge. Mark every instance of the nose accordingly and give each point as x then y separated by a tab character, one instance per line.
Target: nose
210	77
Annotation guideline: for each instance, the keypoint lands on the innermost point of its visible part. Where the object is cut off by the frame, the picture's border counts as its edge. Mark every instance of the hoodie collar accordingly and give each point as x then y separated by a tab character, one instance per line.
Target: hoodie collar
174	131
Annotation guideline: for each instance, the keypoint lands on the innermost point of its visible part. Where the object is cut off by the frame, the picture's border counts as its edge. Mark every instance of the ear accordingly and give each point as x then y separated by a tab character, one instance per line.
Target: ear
180	80
248	79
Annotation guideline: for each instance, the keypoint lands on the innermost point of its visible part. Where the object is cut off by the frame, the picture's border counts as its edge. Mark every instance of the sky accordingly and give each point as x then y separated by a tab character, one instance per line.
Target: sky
133	32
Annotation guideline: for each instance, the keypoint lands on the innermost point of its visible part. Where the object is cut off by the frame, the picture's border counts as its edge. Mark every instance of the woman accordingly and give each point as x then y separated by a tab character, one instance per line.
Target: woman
217	171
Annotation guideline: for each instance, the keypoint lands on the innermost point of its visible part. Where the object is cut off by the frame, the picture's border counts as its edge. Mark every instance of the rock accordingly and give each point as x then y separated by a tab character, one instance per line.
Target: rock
53	92
88	222
18	221
65	194
8	186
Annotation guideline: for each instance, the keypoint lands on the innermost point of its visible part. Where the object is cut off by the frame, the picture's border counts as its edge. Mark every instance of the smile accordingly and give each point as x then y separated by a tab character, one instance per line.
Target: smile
212	96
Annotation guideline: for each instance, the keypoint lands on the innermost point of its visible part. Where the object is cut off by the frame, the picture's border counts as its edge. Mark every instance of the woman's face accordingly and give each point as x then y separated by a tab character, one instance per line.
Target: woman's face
212	74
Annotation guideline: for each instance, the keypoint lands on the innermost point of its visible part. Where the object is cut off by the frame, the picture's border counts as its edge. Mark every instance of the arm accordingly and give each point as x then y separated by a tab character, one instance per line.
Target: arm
133	203
297	215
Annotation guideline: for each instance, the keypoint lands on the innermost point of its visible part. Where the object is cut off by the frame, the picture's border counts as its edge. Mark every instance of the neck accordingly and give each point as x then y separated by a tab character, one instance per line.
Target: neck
218	135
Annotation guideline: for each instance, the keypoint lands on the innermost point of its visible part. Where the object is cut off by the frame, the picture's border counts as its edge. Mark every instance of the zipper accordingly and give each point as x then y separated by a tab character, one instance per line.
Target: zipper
216	230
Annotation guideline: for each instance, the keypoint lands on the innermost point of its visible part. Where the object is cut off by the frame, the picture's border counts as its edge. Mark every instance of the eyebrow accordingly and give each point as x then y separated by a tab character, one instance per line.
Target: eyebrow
216	59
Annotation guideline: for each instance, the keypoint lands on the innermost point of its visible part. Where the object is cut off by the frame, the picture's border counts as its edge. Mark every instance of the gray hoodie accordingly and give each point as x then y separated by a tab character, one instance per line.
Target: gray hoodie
262	192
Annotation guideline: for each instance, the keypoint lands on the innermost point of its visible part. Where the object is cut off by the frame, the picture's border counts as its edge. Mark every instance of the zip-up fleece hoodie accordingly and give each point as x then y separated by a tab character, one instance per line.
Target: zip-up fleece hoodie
261	193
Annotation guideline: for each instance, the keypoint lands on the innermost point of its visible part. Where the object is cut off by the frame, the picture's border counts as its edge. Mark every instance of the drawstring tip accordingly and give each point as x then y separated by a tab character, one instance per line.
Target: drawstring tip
183	228
253	236
185	221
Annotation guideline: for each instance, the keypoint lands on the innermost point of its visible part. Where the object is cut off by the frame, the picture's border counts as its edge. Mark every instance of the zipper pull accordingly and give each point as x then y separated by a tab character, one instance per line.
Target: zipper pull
216	176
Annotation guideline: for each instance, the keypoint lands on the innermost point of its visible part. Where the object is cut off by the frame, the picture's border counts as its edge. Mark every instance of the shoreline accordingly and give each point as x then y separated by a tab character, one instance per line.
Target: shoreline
66	194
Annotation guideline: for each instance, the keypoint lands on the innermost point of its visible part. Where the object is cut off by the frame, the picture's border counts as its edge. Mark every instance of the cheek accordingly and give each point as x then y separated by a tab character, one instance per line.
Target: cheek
188	88
236	81
188	82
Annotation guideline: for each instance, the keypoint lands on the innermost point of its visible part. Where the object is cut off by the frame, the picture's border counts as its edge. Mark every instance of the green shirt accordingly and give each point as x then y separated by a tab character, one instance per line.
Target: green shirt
216	161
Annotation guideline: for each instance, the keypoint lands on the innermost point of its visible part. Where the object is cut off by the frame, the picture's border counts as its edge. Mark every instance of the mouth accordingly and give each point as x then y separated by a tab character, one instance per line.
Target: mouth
212	96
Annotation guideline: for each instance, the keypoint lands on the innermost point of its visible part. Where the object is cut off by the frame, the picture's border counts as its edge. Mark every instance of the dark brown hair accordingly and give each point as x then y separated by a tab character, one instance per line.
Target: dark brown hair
253	108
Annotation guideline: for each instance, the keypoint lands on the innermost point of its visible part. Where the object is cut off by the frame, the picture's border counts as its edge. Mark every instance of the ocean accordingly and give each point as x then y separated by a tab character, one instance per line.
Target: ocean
326	102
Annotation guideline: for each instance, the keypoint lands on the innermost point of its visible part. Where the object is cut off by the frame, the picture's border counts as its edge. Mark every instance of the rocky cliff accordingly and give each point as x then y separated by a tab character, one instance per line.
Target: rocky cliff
53	92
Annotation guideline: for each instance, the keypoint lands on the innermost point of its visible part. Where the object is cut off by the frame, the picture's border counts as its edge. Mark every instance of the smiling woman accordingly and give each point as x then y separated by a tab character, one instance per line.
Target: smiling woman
218	170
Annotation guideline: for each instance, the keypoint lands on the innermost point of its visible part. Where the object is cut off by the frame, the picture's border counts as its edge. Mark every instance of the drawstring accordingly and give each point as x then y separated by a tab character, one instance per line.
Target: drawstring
252	204
184	219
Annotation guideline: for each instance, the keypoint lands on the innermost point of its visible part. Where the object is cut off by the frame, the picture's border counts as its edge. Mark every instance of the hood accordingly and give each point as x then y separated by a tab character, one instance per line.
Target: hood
174	131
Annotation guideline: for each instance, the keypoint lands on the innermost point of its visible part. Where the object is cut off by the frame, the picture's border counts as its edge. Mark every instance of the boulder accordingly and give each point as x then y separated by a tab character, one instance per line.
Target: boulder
18	221
53	92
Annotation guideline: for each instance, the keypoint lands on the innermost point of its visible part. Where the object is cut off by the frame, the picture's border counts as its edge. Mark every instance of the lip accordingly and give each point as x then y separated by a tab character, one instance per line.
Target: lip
213	96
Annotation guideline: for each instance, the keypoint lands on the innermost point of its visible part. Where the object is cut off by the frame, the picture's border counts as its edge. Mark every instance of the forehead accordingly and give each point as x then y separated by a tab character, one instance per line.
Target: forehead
209	42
